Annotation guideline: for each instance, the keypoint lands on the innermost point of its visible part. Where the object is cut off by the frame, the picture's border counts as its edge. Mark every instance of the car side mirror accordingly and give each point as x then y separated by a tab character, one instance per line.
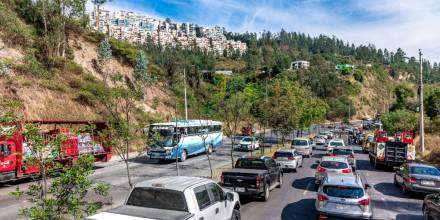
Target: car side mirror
367	186
318	162
229	196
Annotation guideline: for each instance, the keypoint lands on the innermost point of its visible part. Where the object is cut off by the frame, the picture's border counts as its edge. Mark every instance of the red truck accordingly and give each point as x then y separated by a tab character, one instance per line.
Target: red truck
392	150
14	149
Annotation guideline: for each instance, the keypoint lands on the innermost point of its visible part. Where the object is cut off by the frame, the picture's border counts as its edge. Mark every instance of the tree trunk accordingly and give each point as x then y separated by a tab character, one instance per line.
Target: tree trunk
128	173
209	158
232	150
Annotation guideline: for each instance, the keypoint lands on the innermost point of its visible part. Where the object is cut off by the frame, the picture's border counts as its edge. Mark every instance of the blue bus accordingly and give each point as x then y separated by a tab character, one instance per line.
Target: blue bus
183	138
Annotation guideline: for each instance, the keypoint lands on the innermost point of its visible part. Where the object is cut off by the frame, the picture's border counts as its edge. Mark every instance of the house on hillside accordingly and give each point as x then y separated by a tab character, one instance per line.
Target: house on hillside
300	64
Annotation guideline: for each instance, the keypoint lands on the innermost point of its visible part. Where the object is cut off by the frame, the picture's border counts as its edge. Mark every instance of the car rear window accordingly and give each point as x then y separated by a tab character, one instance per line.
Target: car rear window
343	151
300	142
336	144
333	165
425	171
247	139
157	199
343	192
250	164
283	154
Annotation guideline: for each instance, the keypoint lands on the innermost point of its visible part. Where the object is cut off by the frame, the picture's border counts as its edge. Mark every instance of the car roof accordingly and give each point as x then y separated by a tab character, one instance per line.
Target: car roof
421	165
286	150
178	183
346	179
337	140
302	139
334	158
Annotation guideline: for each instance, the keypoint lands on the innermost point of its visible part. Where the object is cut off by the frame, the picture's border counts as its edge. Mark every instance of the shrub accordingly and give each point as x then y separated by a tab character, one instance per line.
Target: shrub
155	103
54	85
85	98
125	50
75	84
32	65
359	76
15	31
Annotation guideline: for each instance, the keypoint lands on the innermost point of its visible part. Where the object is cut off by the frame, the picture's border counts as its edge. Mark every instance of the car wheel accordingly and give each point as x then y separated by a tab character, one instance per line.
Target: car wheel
236	215
426	213
266	193
183	156
280	181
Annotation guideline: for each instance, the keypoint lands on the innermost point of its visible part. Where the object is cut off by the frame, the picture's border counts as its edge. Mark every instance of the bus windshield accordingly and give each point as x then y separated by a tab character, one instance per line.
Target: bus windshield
162	137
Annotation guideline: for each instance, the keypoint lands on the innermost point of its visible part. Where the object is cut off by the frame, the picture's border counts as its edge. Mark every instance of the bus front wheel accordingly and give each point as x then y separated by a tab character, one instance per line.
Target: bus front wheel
210	149
183	156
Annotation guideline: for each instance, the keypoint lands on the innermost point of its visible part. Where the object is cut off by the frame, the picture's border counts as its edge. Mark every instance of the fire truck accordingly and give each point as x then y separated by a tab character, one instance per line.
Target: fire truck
392	150
88	138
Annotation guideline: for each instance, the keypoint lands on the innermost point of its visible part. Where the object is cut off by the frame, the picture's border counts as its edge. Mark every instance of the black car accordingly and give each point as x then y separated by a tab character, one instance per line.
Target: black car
417	177
431	207
253	176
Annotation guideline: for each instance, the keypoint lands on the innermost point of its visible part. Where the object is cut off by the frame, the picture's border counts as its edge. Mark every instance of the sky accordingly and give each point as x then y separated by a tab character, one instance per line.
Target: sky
408	24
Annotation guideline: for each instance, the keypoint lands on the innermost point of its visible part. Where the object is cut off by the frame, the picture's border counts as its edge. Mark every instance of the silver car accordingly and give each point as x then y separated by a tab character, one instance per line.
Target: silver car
343	196
320	140
302	146
346	152
288	159
331	164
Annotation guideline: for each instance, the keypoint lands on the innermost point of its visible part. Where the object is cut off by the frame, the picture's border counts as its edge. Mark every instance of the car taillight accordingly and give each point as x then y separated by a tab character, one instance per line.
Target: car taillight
291	158
259	180
222	178
274	157
346	170
351	156
412	180
321	169
322	198
364	202
333	155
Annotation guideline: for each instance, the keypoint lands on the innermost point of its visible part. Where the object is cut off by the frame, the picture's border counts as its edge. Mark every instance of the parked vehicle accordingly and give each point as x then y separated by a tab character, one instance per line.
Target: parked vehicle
417	177
179	197
16	154
183	138
254	176
249	143
343	196
320	140
346	152
302	146
334	143
431	207
331	164
392	151
288	159
248	130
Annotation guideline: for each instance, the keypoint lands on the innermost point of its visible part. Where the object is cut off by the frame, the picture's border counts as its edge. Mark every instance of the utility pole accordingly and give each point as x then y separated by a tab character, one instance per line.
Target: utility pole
184	85
349	113
422	127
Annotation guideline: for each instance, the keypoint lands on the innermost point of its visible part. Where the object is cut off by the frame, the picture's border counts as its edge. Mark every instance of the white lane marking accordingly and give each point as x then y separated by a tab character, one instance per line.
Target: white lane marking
307	189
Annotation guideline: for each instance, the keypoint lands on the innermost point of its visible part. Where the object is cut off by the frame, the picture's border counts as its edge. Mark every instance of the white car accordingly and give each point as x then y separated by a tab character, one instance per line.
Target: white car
179	197
288	159
334	143
249	143
302	146
320	140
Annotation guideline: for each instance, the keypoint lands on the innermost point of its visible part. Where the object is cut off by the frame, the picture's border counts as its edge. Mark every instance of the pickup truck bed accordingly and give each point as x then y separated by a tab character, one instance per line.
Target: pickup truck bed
137	213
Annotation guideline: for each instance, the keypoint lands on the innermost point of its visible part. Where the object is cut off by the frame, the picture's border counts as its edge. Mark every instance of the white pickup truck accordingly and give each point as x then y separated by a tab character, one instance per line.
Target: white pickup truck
176	198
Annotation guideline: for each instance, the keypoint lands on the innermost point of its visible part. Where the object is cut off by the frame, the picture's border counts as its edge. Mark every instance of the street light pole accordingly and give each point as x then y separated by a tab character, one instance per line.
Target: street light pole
422	127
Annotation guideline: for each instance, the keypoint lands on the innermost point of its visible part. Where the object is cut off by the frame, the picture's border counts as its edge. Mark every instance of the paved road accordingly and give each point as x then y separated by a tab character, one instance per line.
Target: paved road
296	199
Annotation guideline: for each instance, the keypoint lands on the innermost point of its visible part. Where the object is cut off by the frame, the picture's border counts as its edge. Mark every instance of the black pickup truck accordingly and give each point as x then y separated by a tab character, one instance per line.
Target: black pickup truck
254	176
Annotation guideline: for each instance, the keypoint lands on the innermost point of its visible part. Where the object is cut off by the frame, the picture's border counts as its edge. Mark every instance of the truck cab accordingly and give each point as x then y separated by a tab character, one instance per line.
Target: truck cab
176	198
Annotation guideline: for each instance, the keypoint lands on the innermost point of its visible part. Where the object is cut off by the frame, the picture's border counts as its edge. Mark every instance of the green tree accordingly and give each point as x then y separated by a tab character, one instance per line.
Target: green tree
432	102
399	120
141	69
403	92
104	51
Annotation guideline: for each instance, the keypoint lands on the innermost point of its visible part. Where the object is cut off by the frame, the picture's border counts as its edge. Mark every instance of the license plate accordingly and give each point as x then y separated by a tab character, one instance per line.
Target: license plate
339	206
428	183
239	189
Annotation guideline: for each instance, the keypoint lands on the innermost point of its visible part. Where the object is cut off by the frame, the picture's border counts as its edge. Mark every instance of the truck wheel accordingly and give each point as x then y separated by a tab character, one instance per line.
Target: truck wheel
183	156
236	215
266	193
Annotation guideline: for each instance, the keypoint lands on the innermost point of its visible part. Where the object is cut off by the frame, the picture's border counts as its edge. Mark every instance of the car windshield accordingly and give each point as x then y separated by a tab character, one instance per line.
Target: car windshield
299	142
248	163
338	151
336	144
283	154
425	171
157	199
343	192
162	137
333	165
246	139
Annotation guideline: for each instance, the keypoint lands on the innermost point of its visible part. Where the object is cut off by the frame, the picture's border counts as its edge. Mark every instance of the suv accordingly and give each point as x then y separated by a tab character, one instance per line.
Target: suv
302	146
249	143
288	159
343	196
179	197
334	143
346	152
331	164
